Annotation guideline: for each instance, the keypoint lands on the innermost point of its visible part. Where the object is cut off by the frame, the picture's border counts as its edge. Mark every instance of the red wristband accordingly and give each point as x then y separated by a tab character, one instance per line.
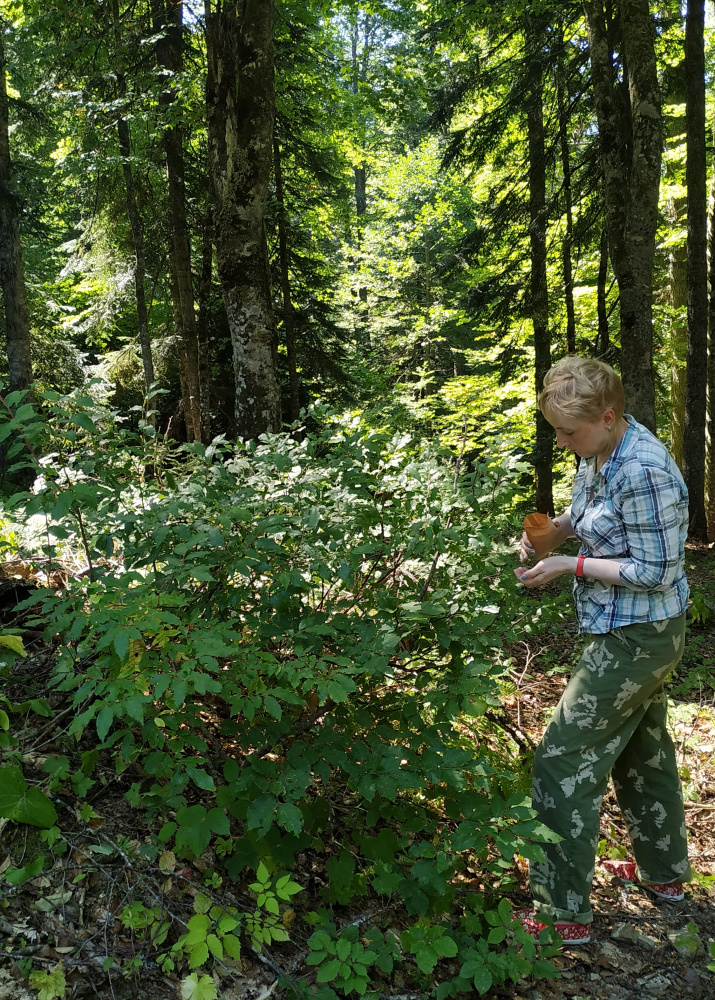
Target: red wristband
579	566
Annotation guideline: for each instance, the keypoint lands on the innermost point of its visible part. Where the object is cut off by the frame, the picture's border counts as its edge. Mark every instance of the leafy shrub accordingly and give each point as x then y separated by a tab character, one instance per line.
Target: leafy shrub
264	627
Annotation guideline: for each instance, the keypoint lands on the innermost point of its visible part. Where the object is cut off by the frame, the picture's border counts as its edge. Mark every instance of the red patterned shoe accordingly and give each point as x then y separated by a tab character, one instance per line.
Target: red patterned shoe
624	869
672	891
571	933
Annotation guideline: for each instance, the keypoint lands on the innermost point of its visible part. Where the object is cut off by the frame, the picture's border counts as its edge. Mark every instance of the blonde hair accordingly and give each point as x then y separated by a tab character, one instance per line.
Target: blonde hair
582	388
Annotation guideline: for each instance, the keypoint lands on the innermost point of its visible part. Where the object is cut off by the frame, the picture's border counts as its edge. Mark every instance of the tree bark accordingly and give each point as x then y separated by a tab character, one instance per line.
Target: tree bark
710	427
676	212
240	107
288	315
135	223
604	337
567	242
697	354
167	21
186	408
204	326
359	77
543	451
630	137
12	273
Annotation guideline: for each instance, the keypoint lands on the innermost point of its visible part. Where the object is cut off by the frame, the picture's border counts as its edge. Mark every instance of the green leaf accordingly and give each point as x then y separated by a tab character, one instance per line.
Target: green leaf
4	720
22	803
260	813
232	947
193	988
273	707
121	645
105	719
198	954
445	947
84	421
14	643
16	876
328	972
50	984
290	817
482	979
215	947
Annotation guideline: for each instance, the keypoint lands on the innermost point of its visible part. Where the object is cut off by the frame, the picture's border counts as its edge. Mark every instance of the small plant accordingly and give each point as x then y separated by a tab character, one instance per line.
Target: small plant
264	925
700	608
342	959
428	944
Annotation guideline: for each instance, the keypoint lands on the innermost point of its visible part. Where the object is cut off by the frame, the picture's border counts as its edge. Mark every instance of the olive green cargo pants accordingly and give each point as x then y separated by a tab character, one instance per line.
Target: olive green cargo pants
611	720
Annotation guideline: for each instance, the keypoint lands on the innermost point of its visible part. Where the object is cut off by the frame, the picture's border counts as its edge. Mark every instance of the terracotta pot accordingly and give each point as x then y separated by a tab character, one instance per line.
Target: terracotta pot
541	532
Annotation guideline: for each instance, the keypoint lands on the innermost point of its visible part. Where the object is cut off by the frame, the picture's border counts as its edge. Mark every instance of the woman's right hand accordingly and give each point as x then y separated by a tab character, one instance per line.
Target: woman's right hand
526	549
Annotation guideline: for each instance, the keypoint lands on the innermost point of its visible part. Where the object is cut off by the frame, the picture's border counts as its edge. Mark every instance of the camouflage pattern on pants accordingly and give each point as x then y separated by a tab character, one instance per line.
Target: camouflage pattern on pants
611	719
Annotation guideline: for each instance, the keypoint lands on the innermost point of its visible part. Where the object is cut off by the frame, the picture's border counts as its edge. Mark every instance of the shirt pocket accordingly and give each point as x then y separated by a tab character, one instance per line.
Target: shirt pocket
602	529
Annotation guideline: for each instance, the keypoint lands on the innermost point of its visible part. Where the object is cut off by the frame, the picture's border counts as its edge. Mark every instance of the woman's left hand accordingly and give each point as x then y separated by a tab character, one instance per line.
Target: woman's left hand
545	571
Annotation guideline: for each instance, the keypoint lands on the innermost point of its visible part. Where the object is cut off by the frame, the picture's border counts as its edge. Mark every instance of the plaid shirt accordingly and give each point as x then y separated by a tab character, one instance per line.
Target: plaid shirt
635	510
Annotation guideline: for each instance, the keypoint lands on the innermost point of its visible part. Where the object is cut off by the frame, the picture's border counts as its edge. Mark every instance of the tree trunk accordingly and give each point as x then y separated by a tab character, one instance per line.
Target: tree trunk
240	107
167	20
568	207
631	155
204	326
543	451
185	399
359	76
12	273
125	151
710	429
696	183
288	317
676	210
604	338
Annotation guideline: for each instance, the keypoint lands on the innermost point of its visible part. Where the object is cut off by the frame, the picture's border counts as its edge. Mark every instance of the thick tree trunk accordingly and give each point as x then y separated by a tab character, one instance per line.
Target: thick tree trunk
568	207
167	20
12	273
240	107
288	316
631	156
204	326
604	337
135	223
696	183
543	451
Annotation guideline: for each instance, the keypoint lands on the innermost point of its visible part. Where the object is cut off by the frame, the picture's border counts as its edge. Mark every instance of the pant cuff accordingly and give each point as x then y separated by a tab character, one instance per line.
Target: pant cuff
563	916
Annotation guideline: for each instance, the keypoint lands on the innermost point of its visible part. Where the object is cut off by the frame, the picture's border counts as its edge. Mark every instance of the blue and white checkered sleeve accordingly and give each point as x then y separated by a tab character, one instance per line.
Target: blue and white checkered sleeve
652	511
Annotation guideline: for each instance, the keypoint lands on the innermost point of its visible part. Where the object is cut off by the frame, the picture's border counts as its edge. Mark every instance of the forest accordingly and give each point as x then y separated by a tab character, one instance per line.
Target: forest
280	285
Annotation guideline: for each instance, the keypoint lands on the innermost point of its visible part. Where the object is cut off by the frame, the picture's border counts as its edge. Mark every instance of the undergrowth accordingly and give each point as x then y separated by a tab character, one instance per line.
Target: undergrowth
284	649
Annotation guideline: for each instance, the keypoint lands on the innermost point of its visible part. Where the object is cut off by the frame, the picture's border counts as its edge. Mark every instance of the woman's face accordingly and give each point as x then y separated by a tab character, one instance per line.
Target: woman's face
585	438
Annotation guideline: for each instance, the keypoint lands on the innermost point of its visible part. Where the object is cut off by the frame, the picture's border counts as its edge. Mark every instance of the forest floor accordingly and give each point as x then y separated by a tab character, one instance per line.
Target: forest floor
69	913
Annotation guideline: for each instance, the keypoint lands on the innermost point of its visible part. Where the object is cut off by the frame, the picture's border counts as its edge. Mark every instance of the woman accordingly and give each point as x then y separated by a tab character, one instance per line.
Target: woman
630	513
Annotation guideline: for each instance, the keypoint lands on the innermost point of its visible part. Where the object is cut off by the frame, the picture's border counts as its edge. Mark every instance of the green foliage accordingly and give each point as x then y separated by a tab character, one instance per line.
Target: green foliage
50	984
335	606
24	803
711	949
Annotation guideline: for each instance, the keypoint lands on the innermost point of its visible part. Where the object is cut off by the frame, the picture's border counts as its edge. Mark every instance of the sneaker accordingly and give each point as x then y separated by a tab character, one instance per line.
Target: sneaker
672	891
626	870
571	933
